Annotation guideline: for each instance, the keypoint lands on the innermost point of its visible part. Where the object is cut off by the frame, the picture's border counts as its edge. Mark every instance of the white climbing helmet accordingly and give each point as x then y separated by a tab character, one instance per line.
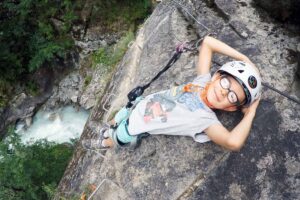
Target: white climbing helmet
247	76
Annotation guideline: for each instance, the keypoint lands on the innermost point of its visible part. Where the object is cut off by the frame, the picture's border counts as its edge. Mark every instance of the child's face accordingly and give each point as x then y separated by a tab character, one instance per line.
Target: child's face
225	99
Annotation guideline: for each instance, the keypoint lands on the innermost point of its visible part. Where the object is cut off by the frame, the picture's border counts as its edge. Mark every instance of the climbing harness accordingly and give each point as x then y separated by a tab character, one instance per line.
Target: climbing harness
263	84
122	116
139	90
119	133
134	96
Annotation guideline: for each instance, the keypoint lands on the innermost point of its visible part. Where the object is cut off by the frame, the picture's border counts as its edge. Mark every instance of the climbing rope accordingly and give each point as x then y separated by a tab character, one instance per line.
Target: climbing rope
139	90
183	47
94	192
264	84
186	10
282	93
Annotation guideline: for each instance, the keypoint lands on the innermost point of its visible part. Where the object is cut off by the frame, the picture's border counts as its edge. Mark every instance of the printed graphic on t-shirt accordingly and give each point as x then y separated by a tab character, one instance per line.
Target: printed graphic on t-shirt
190	99
161	104
174	92
158	108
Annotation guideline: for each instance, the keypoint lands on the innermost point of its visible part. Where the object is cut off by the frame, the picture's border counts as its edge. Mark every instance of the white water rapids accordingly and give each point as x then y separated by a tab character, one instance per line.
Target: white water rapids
58	126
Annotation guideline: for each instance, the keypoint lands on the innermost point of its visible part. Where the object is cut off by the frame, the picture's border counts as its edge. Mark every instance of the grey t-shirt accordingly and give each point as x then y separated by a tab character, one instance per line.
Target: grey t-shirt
174	112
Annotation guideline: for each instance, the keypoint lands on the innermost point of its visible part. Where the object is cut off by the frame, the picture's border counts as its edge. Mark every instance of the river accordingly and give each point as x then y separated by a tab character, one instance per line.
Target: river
60	126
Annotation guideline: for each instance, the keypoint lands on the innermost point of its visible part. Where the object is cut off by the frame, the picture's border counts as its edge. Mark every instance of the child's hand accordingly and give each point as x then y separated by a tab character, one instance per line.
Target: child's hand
247	60
252	108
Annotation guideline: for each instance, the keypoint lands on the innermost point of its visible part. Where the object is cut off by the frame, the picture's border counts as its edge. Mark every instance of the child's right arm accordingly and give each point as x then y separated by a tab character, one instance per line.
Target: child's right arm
235	139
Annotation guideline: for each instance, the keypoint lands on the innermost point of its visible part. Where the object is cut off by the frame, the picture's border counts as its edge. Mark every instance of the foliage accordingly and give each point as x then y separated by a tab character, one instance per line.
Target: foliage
87	80
110	56
29	36
32	88
4	90
31	172
32	33
116	15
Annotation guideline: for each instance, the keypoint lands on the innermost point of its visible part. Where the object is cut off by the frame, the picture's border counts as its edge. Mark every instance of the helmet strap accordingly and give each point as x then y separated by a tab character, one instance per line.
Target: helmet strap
202	91
203	95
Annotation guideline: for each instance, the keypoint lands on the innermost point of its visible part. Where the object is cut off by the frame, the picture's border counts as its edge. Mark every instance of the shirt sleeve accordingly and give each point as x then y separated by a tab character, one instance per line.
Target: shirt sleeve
202	79
202	137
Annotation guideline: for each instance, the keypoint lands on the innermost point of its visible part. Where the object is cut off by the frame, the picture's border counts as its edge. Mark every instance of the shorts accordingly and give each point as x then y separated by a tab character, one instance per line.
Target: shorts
123	134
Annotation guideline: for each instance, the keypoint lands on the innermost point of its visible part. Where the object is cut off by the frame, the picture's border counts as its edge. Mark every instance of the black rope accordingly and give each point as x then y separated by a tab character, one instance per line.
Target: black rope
264	84
174	58
139	90
282	93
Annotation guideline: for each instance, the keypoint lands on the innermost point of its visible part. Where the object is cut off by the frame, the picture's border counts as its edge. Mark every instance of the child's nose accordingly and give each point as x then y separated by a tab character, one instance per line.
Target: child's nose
224	92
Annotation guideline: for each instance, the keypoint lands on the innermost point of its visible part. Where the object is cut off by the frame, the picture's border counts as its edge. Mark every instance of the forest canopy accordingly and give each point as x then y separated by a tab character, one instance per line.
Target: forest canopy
28	36
33	33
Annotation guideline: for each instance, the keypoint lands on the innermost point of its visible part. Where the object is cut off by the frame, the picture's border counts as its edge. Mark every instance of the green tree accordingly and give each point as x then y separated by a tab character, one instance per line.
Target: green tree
120	15
28	35
31	33
29	172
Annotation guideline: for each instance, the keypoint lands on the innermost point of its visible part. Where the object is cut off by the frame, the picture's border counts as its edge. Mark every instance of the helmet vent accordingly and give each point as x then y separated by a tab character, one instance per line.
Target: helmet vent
241	71
242	64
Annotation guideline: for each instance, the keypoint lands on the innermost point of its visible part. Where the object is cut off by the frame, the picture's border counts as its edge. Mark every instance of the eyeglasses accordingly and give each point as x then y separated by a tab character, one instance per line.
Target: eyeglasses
231	96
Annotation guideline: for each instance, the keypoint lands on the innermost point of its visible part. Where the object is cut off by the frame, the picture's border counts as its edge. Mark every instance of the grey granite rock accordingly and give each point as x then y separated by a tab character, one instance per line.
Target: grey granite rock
64	82
169	167
25	105
240	29
66	92
282	10
227	7
298	60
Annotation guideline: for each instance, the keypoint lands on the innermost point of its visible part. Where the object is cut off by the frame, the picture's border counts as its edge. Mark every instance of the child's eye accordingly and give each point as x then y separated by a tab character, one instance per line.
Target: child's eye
225	83
232	97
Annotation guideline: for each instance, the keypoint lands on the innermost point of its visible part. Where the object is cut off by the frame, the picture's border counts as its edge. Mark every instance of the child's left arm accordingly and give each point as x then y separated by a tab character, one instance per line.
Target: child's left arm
235	139
210	46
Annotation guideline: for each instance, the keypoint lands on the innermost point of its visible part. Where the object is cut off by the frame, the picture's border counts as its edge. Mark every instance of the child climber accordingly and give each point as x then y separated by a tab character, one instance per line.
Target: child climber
188	109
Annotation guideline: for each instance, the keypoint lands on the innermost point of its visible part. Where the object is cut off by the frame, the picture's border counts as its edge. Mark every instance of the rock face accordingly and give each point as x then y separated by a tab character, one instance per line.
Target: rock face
173	167
68	81
23	106
74	89
282	10
84	85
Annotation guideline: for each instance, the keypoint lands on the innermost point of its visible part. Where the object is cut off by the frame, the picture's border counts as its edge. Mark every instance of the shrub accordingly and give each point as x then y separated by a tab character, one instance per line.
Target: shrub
110	56
116	15
31	172
28	35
